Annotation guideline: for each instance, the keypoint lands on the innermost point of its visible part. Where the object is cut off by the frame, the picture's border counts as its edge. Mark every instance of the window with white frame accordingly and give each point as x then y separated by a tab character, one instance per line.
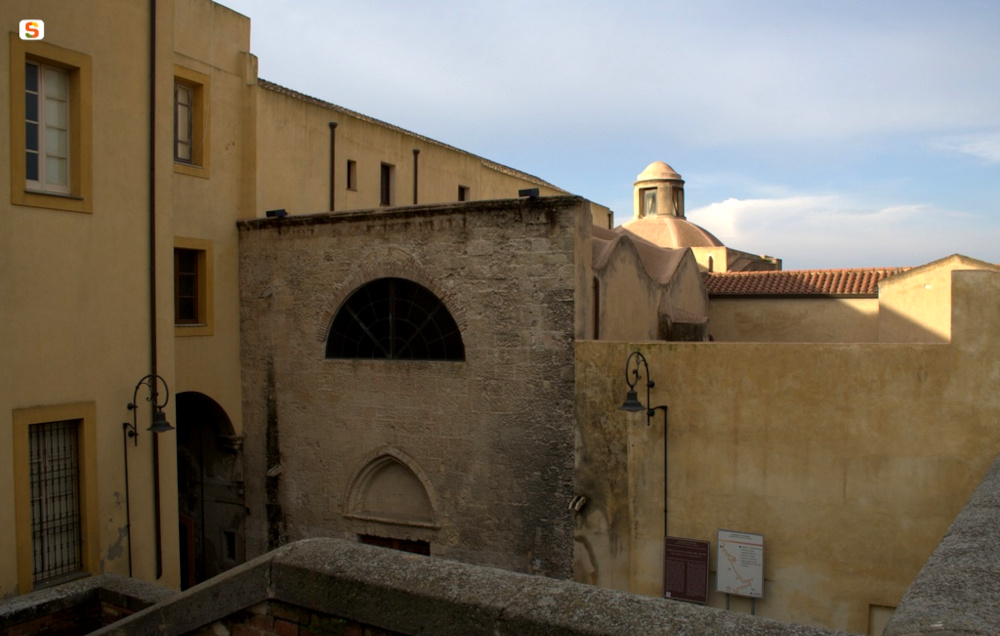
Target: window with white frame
54	471
47	133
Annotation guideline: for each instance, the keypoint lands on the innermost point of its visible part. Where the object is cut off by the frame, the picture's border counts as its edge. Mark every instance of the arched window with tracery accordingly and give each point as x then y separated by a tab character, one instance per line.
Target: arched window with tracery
394	319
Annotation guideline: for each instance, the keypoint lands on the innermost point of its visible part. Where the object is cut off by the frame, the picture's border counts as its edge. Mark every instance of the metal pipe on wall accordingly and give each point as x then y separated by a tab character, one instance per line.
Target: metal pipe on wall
333	163
152	285
416	154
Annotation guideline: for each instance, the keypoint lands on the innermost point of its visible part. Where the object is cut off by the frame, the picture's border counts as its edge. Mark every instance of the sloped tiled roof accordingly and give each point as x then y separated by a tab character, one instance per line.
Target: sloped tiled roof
491	165
805	282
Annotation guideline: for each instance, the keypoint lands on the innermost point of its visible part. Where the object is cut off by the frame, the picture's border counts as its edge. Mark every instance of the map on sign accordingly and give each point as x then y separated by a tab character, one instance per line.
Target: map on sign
741	564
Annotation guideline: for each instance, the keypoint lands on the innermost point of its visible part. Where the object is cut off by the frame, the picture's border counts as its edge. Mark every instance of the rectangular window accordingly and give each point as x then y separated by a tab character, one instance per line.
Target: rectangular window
46	133
191	119
193	313
352	174
186	287
54	473
183	102
388	189
53	457
648	201
50	127
463	193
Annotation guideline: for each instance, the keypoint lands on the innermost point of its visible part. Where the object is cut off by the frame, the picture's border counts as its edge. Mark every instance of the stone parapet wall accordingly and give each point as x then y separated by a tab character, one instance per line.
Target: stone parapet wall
341	584
77	607
956	591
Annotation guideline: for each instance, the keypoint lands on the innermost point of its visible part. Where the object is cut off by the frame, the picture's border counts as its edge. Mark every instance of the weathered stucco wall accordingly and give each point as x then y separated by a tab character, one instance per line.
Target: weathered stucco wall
78	303
914	306
490	438
852	463
749	319
294	141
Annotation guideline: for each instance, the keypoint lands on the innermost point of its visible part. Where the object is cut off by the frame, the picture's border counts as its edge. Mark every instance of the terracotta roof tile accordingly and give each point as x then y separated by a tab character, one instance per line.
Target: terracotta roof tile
805	282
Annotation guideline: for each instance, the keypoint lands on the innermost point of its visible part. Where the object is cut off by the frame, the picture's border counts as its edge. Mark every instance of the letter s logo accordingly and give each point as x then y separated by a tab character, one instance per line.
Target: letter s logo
32	29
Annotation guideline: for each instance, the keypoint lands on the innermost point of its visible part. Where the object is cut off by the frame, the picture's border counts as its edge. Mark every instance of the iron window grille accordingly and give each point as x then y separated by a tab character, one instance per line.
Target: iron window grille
395	319
57	542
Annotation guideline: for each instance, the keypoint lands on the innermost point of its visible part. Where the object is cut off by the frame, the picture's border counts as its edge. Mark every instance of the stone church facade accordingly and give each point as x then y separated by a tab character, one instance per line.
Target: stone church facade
468	457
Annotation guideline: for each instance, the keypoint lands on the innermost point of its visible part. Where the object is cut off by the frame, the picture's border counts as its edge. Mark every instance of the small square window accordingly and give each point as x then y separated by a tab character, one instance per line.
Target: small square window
352	174
463	193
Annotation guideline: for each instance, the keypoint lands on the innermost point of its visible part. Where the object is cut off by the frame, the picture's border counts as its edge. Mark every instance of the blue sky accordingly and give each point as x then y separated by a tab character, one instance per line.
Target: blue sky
830	134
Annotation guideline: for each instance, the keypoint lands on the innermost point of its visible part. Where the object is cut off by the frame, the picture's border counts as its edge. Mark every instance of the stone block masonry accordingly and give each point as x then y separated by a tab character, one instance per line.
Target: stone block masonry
488	439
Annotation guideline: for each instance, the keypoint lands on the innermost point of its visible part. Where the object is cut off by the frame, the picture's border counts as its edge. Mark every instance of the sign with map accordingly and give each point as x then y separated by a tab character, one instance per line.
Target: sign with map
741	564
685	569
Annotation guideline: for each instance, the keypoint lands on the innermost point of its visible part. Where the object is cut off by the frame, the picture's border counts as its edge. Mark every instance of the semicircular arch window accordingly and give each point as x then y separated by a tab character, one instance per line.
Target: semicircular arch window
394	319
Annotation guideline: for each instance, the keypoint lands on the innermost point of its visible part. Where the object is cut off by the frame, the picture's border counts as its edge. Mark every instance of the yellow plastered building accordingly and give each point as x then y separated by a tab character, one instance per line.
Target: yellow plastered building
137	135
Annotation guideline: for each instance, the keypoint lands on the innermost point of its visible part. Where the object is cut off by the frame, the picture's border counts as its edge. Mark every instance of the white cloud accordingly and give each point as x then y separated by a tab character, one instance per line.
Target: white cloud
831	231
985	146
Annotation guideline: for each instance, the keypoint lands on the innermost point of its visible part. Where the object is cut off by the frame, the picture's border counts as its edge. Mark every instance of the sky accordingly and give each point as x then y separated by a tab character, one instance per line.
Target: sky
829	134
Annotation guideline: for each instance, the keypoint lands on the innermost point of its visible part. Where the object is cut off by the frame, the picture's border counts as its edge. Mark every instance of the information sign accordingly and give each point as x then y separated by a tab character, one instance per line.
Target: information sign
740	563
685	569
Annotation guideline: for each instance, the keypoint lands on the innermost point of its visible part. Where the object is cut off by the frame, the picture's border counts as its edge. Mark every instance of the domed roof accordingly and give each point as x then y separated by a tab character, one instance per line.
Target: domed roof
670	231
657	171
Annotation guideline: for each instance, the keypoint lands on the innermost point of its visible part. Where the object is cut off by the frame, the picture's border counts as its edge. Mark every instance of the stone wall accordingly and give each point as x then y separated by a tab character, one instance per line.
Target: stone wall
956	591
489	439
77	607
325	586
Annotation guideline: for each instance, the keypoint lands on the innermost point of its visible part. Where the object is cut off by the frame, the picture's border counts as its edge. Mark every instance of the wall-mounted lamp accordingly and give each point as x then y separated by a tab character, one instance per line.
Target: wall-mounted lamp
632	403
131	429
160	423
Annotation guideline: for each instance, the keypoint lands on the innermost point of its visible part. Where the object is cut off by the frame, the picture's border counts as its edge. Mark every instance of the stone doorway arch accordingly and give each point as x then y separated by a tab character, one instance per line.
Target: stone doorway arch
211	505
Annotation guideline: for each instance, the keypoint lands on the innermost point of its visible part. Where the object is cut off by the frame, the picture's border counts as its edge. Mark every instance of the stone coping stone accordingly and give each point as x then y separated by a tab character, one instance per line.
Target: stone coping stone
124	592
413	594
956	592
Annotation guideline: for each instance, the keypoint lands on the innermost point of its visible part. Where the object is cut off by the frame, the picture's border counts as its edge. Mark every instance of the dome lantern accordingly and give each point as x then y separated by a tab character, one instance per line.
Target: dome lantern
658	191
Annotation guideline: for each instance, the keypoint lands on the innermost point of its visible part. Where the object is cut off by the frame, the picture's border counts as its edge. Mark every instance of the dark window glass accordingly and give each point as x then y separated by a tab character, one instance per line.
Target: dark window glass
31	106
186	290
31	77
396	319
386	198
403	545
31	166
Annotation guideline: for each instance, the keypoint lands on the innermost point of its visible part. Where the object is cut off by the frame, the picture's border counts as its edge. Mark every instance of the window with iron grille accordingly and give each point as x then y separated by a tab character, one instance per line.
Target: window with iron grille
54	470
395	319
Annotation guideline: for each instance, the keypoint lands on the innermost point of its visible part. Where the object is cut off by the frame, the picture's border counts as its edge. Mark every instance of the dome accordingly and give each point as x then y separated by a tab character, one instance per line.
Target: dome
658	171
671	231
